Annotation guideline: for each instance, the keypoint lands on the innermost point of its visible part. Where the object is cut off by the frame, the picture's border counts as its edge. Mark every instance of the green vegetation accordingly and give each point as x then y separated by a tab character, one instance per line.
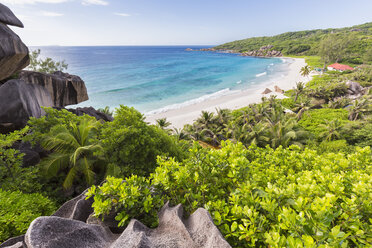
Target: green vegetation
293	172
46	65
258	197
349	45
18	210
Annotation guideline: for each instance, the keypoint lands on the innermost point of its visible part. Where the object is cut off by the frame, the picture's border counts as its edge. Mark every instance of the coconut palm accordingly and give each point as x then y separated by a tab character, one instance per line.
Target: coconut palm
205	120
332	129
300	87
163	123
285	133
305	71
72	151
106	110
254	134
301	108
358	108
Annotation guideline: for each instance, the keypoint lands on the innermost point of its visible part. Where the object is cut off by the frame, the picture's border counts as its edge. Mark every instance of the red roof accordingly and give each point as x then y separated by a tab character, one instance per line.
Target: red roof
341	67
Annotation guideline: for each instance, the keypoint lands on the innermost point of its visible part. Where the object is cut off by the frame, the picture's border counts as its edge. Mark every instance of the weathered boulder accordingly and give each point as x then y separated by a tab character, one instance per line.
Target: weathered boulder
19	101
65	89
52	232
32	153
13	52
92	112
7	17
68	228
354	88
173	231
76	209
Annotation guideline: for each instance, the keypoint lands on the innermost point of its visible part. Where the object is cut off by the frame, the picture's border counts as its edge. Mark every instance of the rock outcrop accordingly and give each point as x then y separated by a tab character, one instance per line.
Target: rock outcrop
68	227
264	51
278	90
7	17
92	112
65	89
13	52
354	89
19	101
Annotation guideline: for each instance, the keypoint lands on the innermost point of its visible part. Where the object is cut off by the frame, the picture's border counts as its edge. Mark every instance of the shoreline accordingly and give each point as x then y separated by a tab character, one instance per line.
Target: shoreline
188	114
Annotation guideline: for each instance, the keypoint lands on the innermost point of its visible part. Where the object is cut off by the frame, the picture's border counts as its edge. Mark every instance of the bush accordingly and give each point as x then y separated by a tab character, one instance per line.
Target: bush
18	210
46	65
131	144
313	120
358	133
258	197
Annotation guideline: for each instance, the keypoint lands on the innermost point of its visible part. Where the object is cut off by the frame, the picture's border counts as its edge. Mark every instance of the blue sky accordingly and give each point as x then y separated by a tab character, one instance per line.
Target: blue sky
176	22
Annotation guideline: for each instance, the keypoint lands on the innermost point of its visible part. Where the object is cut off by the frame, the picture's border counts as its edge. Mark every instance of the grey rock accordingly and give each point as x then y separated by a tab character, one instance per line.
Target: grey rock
33	154
57	232
65	89
91	112
7	17
19	101
13	242
354	88
173	231
13	53
76	209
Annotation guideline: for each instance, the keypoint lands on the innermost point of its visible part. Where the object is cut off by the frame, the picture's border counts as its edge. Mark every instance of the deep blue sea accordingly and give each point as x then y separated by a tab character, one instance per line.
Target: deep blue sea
153	78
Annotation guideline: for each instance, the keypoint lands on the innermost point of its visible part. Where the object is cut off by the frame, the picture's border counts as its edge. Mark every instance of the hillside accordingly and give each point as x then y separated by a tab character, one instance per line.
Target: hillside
307	42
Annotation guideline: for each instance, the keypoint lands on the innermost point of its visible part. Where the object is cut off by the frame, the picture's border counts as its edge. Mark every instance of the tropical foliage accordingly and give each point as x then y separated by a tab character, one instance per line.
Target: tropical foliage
47	65
18	210
258	197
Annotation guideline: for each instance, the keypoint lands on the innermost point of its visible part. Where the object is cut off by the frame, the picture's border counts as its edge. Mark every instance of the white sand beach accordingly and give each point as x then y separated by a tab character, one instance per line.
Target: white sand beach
187	114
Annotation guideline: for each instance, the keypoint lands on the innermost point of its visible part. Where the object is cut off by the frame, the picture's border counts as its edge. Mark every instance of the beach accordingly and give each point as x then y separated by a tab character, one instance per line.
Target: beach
188	114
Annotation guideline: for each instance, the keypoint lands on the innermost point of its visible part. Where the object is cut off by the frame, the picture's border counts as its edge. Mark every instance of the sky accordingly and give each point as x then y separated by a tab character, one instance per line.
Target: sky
176	22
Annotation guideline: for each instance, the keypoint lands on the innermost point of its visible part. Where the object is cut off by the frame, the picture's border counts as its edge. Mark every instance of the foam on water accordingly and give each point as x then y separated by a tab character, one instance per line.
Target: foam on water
261	74
215	95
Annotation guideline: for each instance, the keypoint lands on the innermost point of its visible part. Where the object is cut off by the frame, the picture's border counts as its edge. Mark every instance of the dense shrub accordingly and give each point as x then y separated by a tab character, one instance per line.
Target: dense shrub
40	127
313	119
258	197
131	144
18	210
358	133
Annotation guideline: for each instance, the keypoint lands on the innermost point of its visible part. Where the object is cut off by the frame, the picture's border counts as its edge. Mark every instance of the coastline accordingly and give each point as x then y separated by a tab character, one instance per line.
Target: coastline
188	114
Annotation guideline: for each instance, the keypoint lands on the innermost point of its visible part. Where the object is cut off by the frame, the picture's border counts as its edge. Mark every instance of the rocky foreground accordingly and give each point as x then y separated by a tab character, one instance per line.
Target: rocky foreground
74	225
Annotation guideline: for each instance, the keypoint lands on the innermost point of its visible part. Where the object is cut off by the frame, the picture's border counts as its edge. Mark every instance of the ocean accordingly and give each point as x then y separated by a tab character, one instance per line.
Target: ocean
157	78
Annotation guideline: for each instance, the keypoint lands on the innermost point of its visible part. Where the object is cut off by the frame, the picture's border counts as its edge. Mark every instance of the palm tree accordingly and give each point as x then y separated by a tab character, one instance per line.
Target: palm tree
305	71
332	129
163	123
300	108
254	134
205	120
285	133
300	86
73	151
359	108
106	110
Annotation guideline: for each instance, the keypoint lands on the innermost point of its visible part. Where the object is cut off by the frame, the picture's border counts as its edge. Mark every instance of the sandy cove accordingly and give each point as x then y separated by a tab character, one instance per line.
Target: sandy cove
188	114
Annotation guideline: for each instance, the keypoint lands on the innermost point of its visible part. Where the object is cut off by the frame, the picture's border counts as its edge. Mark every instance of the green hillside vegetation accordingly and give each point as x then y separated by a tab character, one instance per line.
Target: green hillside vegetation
356	42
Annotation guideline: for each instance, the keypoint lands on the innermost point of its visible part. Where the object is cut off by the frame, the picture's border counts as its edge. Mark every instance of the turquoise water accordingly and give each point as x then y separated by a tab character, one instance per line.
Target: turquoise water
153	78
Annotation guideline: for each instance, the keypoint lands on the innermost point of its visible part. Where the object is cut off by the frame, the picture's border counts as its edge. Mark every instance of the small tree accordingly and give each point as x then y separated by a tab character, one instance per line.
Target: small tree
47	65
333	48
305	71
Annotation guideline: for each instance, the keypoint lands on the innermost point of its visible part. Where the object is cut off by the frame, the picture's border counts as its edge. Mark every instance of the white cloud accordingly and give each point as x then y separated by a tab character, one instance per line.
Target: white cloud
122	14
94	2
22	2
51	14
